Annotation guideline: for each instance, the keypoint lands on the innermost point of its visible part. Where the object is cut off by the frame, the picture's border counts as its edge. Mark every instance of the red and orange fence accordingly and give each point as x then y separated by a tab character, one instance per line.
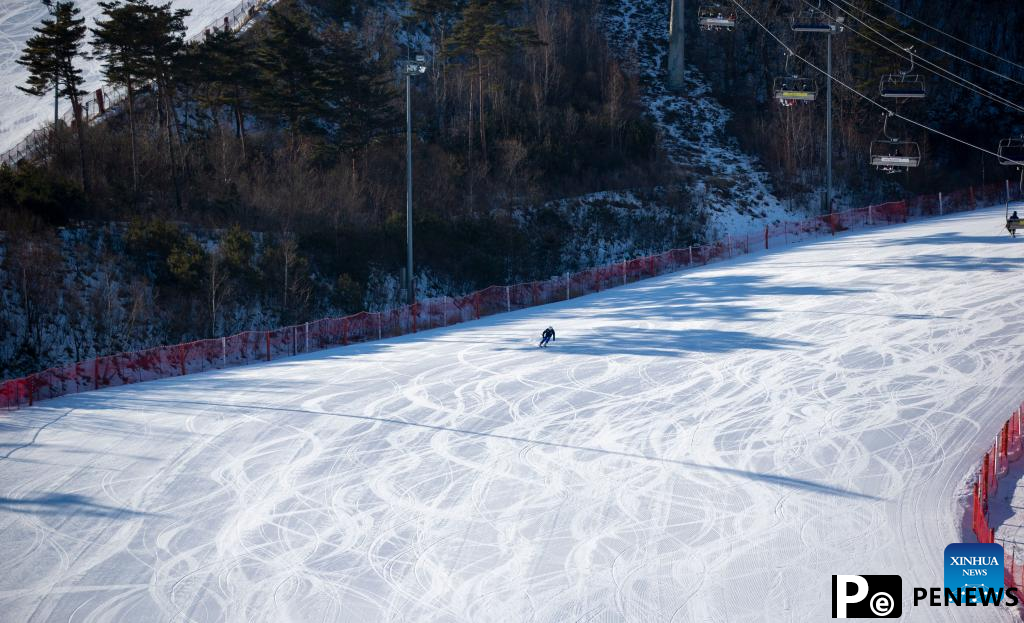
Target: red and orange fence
1005	449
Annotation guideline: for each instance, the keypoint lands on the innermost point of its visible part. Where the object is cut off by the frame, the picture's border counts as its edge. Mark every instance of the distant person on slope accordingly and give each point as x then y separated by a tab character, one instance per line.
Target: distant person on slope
547	336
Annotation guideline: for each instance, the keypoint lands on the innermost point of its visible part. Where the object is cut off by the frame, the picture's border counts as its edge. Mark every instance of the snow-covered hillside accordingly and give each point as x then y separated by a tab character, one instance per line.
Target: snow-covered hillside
734	190
707	446
21	113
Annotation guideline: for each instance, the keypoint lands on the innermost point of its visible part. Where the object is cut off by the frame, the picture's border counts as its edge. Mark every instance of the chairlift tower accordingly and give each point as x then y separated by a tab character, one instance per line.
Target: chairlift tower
676	50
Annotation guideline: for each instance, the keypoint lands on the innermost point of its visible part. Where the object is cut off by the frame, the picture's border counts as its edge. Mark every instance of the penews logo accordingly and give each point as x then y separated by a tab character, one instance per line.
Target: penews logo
867	596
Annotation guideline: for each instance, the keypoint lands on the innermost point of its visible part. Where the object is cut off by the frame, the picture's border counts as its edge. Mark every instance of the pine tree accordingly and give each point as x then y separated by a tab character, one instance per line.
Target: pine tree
118	42
50	58
429	10
163	33
485	33
355	92
440	15
319	84
286	59
224	66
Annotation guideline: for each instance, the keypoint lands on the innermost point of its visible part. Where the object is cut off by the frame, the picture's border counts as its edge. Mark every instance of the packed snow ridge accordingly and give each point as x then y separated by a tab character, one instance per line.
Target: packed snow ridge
710	445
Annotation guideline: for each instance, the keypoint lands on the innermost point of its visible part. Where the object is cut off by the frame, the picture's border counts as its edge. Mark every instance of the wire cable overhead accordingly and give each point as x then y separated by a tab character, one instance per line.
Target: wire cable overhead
851	89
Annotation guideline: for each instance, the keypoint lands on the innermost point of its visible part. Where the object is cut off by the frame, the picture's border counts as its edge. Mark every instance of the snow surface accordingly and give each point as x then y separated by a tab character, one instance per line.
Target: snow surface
710	445
21	113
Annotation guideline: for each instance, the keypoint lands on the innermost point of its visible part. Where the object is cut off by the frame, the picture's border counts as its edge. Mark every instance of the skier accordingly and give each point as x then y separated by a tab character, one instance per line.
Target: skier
547	336
1012	224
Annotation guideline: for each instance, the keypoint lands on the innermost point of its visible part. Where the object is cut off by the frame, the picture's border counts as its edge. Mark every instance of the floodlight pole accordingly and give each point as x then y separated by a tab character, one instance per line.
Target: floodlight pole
408	188
828	131
411	68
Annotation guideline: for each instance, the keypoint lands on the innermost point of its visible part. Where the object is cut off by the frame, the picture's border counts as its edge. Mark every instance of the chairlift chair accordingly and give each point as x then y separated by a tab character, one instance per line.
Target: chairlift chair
716	17
904	84
792	89
892	155
811	20
1011	152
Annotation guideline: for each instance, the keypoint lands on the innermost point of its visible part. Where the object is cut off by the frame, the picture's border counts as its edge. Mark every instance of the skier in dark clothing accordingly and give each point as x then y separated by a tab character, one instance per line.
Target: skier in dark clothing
547	336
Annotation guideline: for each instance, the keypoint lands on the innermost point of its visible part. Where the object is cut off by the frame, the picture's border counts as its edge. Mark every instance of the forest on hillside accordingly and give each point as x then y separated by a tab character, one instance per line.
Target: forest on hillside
256	178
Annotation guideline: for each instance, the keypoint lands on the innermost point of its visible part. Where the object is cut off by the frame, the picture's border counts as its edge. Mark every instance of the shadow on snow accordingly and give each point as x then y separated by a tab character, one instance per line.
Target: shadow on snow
614	340
775	479
65	504
721	297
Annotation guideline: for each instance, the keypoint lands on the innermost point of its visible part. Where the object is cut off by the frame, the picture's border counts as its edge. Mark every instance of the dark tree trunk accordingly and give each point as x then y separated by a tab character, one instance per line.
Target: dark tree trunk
80	133
131	132
169	114
239	121
481	117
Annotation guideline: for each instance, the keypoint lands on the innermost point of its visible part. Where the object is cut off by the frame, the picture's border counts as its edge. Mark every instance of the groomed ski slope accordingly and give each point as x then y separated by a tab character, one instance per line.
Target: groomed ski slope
707	446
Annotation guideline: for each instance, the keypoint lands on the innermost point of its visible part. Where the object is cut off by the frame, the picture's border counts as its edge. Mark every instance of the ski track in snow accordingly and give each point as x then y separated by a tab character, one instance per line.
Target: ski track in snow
710	445
21	113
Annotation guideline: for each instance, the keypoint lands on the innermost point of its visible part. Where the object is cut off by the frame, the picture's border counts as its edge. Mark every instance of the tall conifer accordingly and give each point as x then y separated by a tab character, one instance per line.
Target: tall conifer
118	42
50	57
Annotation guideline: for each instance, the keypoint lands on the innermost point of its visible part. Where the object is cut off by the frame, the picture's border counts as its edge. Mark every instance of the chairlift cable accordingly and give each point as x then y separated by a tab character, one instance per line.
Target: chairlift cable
954	38
903	53
831	77
927	43
946	74
934	68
